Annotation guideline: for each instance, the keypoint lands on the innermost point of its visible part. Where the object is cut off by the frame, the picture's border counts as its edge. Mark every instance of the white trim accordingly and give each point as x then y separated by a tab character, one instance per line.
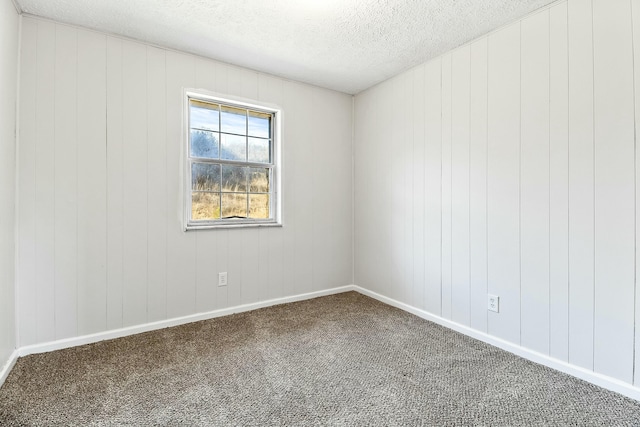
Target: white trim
600	380
123	332
4	372
559	365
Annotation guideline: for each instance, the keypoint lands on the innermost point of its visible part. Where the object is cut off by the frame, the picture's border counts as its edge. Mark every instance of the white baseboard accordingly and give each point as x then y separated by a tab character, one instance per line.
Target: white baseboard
123	332
543	359
603	381
4	372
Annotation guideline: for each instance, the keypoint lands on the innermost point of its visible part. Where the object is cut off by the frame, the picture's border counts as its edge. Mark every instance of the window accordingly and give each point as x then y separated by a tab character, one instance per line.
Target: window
232	171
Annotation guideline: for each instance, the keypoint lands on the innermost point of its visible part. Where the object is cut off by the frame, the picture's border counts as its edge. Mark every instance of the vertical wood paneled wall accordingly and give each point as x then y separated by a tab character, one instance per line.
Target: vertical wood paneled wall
101	244
509	166
9	33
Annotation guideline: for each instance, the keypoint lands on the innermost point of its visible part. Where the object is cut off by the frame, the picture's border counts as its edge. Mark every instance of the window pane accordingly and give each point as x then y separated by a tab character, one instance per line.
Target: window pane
259	150
234	147
234	205
259	180
204	144
234	120
259	124
258	206
203	115
205	177
205	205
234	178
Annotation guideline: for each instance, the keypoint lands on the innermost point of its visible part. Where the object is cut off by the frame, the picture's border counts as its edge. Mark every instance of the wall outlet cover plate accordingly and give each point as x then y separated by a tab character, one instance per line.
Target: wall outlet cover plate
493	303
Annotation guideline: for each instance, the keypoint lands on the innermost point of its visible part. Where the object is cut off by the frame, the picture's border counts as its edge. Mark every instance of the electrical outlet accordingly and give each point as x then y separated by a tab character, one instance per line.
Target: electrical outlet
493	303
222	279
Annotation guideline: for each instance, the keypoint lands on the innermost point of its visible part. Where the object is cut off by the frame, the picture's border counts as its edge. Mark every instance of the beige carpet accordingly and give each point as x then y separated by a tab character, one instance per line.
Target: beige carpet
337	360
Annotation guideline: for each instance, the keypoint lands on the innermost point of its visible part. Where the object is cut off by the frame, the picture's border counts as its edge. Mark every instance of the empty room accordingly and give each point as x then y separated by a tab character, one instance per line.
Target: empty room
308	212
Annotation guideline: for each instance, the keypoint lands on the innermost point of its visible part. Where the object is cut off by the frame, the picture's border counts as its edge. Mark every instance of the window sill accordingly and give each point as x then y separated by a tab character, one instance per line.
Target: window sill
192	227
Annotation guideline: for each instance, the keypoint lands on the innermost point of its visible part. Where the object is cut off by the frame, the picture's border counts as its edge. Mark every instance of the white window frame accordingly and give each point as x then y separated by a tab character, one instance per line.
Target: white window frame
275	194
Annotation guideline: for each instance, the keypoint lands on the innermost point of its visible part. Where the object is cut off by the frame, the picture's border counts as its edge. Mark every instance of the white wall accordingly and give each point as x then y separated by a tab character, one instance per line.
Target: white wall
101	244
8	73
508	166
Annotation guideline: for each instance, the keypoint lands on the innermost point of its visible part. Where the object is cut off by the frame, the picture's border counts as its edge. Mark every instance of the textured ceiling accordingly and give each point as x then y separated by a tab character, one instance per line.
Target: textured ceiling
346	45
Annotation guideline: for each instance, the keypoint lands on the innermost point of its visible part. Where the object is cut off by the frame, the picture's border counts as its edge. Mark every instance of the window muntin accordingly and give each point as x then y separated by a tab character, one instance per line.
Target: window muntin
231	168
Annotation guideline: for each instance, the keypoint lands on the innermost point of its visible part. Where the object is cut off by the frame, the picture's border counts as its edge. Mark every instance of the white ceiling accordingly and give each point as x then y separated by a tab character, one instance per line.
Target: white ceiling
346	45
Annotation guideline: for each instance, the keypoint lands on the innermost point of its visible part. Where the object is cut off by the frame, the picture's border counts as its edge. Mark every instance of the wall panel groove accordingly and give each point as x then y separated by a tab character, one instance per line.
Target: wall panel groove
635	13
